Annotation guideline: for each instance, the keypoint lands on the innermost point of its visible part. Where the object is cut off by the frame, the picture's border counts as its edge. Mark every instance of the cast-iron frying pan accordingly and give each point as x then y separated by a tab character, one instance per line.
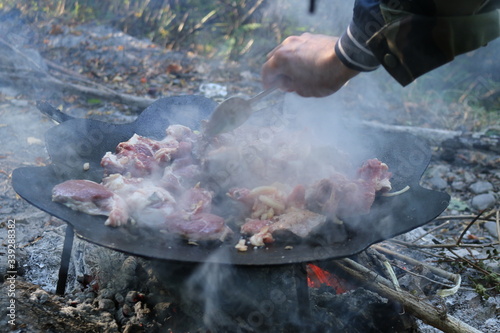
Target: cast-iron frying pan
77	141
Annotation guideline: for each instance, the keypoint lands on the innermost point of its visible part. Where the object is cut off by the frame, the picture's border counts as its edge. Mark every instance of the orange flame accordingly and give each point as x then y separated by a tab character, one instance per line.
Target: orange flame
316	277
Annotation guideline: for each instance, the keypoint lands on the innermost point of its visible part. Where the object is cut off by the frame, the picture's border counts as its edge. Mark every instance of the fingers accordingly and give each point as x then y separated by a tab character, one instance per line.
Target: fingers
287	44
304	64
284	82
273	75
271	54
277	71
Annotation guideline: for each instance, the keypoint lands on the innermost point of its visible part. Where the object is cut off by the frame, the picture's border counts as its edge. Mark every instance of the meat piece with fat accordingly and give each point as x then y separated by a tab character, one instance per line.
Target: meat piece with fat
377	174
135	156
298	222
195	201
198	227
141	156
181	133
253	226
338	196
148	203
92	198
265	202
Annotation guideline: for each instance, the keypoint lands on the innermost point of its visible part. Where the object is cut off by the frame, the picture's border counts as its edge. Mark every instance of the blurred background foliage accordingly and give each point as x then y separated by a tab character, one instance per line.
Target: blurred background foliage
229	28
466	91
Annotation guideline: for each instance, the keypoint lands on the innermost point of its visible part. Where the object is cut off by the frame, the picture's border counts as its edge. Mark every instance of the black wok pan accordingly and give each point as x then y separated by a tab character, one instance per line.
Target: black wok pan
77	141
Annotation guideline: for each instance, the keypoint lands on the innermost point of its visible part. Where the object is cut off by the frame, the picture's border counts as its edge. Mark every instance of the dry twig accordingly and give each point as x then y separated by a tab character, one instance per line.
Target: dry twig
498	225
486	217
455	278
424	311
459	240
442	245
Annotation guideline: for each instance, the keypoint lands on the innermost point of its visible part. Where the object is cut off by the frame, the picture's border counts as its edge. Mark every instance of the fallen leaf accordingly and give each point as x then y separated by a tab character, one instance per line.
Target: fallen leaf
56	30
174	69
40	161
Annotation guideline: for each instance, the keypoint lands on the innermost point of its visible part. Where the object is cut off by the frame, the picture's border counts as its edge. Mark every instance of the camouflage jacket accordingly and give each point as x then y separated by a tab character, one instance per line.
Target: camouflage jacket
412	37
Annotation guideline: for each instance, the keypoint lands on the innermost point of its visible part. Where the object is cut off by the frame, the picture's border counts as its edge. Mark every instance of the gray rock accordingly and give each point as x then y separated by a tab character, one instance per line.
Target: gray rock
9	91
438	183
466	253
469	177
458	185
483	201
492	265
492	228
492	324
481	187
438	171
106	304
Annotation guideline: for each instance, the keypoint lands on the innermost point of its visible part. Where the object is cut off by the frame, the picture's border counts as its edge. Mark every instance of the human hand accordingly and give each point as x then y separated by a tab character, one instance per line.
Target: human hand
307	65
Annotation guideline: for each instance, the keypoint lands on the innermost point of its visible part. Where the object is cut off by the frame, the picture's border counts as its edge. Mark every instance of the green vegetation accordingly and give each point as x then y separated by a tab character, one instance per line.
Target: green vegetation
464	94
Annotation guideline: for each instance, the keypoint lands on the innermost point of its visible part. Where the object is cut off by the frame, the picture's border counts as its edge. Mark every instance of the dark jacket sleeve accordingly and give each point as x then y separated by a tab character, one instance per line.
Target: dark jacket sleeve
416	37
352	48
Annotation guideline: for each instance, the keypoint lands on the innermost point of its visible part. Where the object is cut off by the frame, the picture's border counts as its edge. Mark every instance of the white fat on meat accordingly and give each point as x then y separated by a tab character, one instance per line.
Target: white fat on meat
377	174
141	156
147	203
275	209
298	221
180	133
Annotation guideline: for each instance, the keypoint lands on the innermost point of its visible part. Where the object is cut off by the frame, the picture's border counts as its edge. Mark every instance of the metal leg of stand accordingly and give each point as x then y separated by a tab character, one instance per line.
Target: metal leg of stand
304	305
65	259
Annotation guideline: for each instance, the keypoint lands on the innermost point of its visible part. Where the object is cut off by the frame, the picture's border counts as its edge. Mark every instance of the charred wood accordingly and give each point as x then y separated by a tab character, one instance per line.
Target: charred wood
446	139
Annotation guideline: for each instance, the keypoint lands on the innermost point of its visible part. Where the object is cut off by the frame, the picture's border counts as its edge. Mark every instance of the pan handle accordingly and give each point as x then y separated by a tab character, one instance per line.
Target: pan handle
53	113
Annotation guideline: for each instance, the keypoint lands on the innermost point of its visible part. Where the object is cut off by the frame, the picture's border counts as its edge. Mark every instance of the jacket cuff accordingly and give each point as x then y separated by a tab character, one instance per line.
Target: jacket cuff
352	50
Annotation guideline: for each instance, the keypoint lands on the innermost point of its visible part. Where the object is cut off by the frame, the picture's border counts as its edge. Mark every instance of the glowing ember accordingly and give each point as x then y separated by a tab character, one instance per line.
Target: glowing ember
317	277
